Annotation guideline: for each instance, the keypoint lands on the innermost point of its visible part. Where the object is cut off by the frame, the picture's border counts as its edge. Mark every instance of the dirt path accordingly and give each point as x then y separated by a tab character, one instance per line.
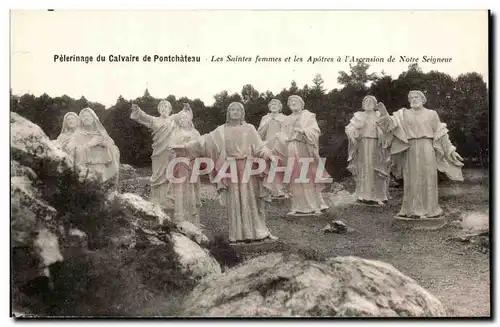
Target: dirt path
457	274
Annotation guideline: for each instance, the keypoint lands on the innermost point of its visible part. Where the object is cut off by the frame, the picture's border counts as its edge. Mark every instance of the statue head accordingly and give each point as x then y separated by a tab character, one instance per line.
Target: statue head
369	103
416	98
235	113
88	118
184	121
295	103
164	108
275	106
70	122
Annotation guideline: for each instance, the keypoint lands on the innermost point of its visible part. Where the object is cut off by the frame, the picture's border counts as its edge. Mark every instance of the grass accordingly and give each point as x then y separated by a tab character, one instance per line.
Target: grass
456	273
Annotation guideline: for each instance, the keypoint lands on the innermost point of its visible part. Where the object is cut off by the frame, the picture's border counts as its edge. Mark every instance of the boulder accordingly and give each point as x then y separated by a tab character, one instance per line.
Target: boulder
149	226
30	147
194	260
18	170
29	213
287	286
476	222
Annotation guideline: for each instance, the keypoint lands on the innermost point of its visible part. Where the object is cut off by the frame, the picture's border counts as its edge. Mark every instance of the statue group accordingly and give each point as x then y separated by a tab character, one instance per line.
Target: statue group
85	139
412	144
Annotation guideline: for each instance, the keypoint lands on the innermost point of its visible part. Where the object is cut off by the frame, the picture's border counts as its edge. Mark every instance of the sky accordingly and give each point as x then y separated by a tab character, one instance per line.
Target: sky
38	35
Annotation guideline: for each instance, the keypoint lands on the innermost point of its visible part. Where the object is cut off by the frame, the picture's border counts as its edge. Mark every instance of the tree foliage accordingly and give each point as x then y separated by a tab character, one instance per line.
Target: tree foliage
462	103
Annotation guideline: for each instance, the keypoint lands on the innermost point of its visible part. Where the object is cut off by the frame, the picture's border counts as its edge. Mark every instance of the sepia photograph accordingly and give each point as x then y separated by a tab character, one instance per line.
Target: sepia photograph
250	163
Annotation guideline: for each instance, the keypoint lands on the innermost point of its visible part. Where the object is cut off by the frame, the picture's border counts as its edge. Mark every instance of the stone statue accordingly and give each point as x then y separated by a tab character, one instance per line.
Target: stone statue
70	124
236	141
420	146
299	140
161	128
270	126
186	195
94	148
369	158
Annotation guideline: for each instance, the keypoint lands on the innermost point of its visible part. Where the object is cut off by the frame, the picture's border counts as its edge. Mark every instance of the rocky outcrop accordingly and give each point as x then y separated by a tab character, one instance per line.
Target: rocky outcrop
287	286
50	226
148	225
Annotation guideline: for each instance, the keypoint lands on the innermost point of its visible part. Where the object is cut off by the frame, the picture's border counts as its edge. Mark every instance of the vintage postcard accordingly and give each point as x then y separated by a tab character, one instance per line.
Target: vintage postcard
250	163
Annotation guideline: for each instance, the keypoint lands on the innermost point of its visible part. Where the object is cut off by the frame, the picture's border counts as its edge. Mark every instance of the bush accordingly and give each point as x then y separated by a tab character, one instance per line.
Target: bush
222	251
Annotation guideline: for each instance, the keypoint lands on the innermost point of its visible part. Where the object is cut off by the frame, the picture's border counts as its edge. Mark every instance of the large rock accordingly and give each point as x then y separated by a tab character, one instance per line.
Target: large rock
35	232
110	223
194	260
279	285
28	213
30	147
476	222
149	226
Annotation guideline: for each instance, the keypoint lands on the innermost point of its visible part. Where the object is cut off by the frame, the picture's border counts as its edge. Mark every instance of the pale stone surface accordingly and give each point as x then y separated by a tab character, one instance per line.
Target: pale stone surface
341	198
193	232
48	246
368	153
28	143
24	197
136	206
91	146
195	260
70	124
299	138
16	169
269	128
287	286
420	146
30	146
244	201
161	129
476	222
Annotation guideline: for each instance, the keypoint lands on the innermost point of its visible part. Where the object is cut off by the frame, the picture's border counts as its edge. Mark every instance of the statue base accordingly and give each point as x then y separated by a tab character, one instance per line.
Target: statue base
419	223
305	215
251	243
376	205
279	199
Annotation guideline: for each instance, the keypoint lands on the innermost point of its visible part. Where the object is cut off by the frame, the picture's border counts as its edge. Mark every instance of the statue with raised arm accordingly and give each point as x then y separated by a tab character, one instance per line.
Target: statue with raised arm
298	145
369	159
161	128
92	147
420	146
231	147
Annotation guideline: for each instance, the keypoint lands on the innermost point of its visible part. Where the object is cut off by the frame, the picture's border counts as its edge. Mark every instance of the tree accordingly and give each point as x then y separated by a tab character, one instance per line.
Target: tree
318	84
248	93
358	76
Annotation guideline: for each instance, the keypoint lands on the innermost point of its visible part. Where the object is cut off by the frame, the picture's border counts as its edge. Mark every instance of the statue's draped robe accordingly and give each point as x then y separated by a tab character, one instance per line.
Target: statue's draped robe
270	125
63	141
103	157
244	200
186	195
420	146
369	158
161	128
291	146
